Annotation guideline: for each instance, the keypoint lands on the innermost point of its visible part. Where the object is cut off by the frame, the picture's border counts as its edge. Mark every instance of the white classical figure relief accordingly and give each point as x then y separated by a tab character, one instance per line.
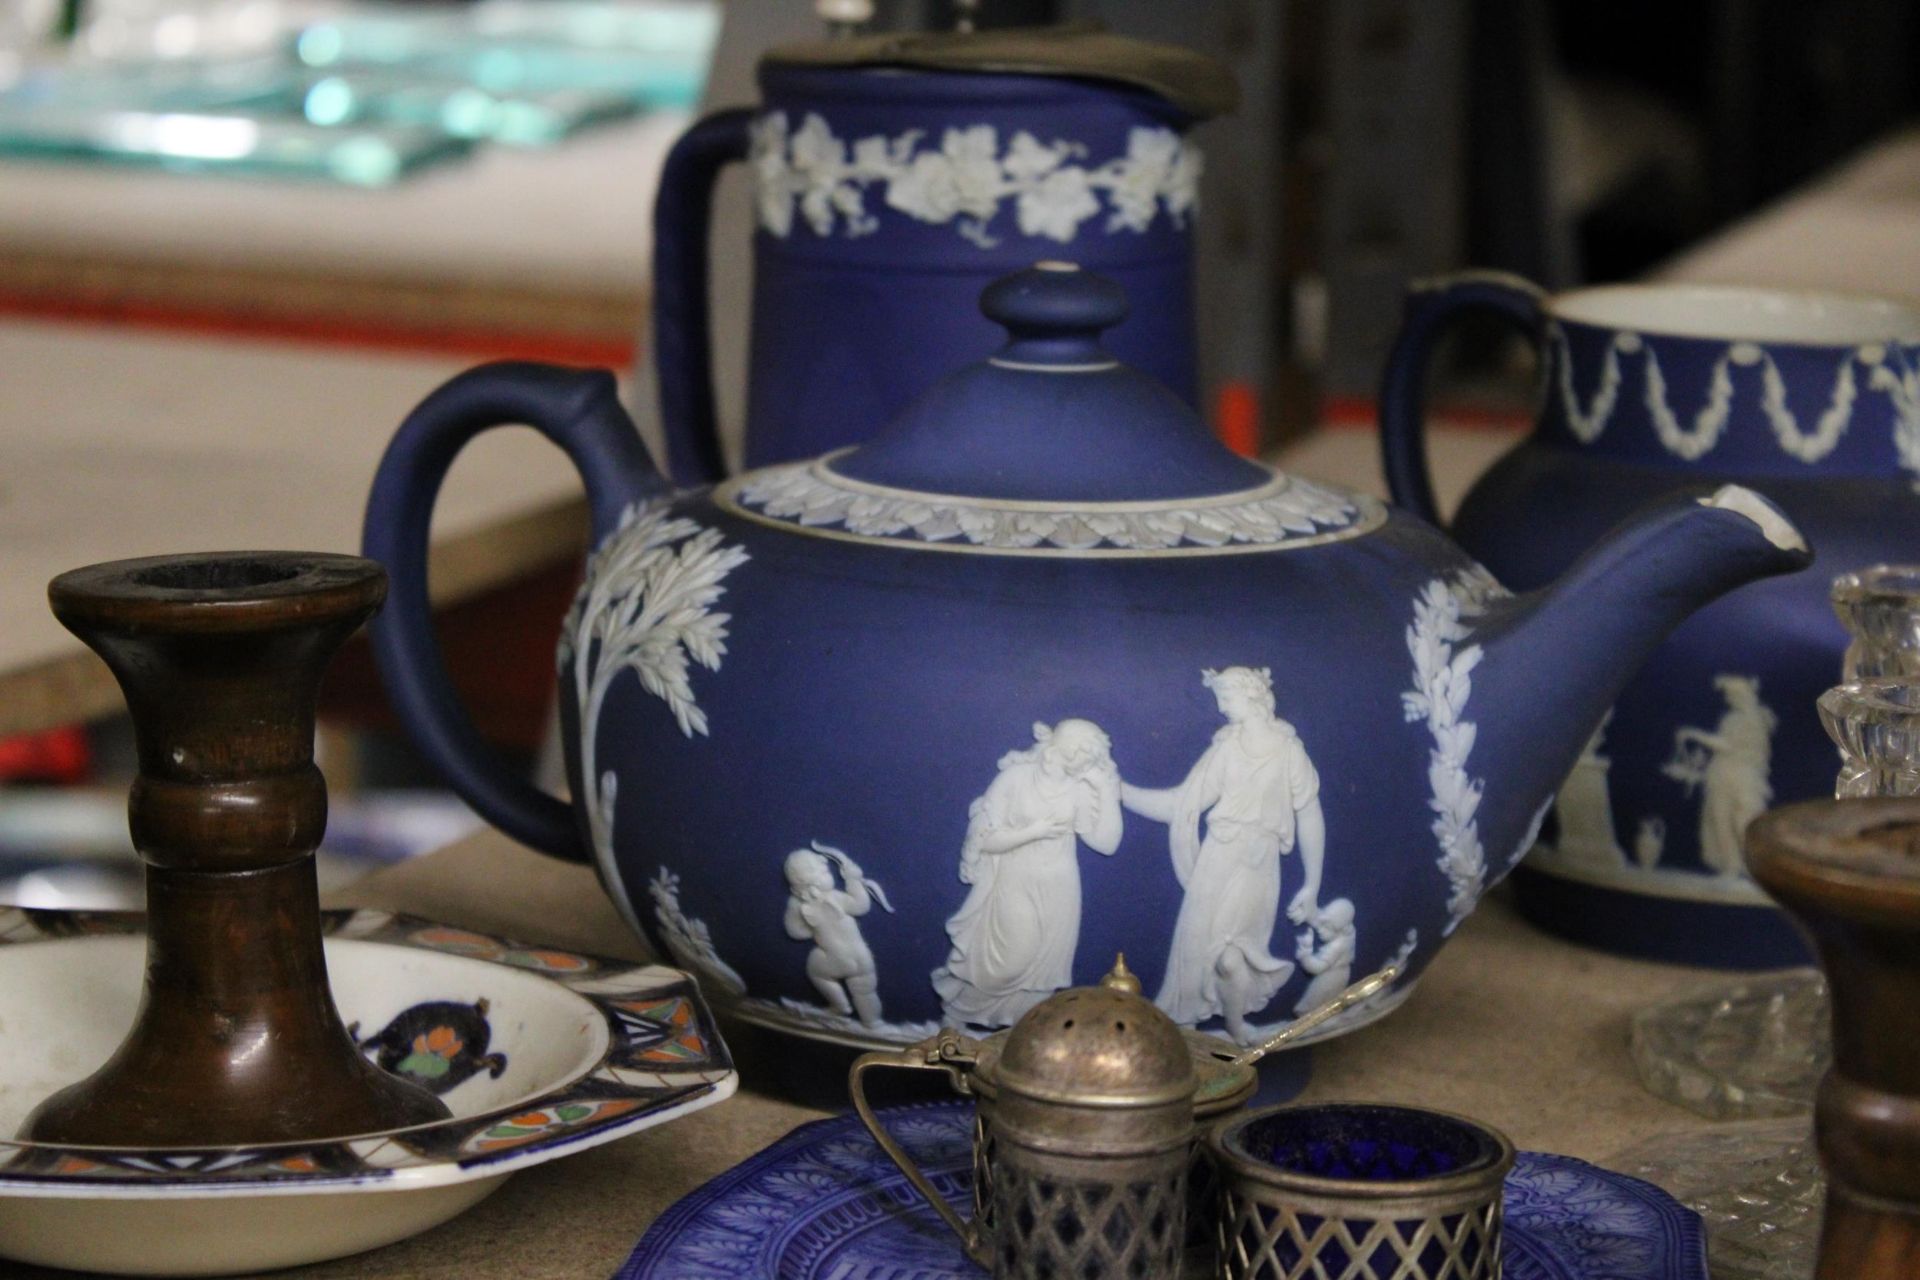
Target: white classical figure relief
1650	842
1728	765
1014	937
1584	807
965	178
825	911
1325	950
1442	683
1258	797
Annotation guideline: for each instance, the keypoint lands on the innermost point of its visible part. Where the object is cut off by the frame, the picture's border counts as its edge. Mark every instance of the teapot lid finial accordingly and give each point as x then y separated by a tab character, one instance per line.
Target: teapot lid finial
1054	313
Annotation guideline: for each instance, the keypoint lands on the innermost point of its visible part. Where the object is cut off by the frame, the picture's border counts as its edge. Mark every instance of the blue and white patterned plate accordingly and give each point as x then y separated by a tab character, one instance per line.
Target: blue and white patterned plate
824	1202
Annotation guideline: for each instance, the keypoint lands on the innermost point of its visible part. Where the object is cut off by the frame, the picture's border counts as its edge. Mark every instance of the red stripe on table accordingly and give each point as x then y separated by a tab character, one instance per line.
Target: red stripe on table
560	348
1364	411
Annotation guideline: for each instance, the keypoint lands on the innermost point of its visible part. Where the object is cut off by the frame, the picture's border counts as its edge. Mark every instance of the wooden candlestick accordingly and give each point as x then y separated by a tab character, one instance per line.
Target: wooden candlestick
1849	871
237	1040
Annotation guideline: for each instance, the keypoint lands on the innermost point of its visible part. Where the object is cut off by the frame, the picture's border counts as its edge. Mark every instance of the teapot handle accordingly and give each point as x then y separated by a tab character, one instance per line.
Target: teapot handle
682	340
580	412
1432	305
947	1051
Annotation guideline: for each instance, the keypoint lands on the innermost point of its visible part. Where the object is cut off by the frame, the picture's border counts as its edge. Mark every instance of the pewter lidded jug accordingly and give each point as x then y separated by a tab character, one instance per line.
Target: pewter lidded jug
895	176
918	733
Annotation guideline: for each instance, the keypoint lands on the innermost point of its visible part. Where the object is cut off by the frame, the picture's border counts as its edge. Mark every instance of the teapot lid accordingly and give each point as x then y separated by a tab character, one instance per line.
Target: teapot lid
1051	416
1197	84
1050	447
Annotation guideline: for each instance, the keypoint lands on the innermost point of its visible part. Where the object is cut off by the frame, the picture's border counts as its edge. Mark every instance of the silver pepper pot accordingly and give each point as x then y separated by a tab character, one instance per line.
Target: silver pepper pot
1083	1137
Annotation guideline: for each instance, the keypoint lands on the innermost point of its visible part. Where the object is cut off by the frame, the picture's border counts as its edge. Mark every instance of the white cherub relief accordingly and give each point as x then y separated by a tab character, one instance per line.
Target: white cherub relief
1331	962
823	913
1014	936
1259	797
1729	765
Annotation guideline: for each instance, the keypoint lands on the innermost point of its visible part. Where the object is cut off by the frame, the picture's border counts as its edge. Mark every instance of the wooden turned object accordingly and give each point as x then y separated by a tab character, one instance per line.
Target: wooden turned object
237	1040
1849	871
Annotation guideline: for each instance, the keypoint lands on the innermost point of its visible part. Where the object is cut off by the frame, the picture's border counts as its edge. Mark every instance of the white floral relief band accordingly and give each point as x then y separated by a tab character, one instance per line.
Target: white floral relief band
966	179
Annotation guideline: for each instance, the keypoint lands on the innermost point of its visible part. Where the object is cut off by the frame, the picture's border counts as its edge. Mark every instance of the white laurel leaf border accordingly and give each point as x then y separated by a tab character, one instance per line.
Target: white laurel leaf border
1442	683
1284	513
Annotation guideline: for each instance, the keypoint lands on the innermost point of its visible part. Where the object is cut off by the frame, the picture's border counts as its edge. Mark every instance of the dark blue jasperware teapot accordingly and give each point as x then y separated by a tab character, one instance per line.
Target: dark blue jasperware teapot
896	175
924	730
1811	399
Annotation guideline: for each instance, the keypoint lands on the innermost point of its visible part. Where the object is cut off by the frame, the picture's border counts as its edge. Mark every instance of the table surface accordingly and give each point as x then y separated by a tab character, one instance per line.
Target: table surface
1508	1025
534	252
117	442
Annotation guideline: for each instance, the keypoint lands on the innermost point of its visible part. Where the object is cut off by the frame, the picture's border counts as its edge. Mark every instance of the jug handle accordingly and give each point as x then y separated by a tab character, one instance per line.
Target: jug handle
1432	305
579	411
682	338
948	1051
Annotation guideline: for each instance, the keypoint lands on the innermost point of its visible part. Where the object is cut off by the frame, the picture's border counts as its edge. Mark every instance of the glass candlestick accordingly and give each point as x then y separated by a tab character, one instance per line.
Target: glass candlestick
1880	608
1876	724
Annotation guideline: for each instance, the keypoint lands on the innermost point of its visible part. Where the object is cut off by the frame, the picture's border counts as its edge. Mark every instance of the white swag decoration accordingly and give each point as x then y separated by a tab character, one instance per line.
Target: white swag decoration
1891	373
1286	510
965	180
646	607
1442	682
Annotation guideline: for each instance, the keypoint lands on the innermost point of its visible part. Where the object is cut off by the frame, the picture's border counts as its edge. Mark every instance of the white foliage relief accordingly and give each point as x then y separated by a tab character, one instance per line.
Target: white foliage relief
1890	372
687	940
646	606
1442	682
1288	510
966	179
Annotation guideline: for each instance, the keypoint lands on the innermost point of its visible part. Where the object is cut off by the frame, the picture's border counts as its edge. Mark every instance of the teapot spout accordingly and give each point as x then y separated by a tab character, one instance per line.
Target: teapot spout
1557	658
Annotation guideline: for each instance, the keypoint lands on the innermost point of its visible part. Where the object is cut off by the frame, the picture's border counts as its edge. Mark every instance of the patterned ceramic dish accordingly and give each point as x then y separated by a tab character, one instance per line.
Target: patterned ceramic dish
824	1201
538	1053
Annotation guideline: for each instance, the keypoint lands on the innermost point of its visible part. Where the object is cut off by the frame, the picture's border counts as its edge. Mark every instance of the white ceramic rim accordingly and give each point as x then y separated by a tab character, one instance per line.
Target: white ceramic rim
1740	313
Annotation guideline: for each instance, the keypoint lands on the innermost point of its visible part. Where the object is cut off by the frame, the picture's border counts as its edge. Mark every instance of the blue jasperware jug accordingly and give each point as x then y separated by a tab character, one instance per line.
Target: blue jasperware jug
1810	399
925	729
894	177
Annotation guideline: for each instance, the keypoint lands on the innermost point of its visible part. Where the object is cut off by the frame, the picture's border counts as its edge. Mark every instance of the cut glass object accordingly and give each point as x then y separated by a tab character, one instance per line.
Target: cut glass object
1757	1186
1753	1049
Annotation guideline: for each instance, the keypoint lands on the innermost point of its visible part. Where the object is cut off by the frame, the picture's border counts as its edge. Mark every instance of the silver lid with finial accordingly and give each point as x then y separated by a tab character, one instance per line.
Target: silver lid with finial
1092	1070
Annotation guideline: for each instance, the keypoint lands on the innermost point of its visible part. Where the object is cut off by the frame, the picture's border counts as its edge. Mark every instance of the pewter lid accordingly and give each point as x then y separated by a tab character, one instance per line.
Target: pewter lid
1197	84
1104	1046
